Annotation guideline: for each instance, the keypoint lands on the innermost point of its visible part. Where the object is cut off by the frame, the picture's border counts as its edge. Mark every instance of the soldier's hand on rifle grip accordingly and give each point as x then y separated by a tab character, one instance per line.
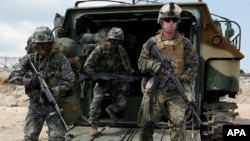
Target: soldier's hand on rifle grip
35	84
156	67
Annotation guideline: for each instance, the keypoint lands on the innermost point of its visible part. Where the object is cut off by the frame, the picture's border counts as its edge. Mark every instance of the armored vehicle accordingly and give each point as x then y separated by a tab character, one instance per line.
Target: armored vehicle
218	47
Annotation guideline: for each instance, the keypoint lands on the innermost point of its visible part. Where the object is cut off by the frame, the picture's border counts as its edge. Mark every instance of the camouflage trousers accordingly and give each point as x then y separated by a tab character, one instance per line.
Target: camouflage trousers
37	115
118	103
174	106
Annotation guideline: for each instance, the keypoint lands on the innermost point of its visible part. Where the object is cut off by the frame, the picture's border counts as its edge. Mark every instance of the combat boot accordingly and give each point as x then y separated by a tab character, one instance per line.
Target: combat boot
111	114
93	130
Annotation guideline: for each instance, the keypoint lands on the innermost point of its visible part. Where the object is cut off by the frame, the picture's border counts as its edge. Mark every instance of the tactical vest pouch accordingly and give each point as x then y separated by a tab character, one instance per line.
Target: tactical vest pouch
71	108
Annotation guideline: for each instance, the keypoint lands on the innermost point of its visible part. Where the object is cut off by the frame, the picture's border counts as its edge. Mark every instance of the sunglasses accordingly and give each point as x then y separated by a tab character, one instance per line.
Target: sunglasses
44	46
174	20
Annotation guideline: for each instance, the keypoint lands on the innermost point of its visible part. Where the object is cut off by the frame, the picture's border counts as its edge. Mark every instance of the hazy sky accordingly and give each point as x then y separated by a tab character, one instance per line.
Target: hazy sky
19	18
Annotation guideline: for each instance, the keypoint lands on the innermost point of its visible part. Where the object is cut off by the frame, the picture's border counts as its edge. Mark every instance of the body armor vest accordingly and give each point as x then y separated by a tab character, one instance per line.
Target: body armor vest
173	49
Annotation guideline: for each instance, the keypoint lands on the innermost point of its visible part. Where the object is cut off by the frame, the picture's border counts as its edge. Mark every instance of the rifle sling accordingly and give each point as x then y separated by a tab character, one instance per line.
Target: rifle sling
153	94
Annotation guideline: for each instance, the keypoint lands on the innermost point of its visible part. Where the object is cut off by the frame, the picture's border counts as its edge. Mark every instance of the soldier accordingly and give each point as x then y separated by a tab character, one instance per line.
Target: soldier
29	47
174	45
87	43
72	51
56	71
108	57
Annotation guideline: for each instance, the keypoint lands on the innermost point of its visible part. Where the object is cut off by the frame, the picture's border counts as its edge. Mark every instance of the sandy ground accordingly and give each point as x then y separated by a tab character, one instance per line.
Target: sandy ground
12	122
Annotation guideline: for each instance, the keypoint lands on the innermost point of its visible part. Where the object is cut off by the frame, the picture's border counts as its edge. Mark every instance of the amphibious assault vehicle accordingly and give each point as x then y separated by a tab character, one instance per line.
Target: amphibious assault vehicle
218	47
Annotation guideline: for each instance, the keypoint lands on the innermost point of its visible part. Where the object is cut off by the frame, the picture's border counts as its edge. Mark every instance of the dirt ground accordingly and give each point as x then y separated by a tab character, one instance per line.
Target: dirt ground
13	108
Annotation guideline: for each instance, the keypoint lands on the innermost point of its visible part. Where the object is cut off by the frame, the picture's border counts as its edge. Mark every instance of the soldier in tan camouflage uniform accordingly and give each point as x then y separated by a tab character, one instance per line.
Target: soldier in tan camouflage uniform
174	45
56	71
108	57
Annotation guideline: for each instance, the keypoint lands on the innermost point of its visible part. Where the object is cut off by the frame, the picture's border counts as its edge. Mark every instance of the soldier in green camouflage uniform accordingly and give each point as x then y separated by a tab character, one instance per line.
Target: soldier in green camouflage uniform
72	51
56	71
89	41
108	57
174	45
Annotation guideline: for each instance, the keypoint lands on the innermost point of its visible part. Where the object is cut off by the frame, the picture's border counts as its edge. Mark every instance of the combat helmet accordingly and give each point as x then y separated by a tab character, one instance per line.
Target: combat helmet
170	10
101	34
42	35
67	46
87	38
115	33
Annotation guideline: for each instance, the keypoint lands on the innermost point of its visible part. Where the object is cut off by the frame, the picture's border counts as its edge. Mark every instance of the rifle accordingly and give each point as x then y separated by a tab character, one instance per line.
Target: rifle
45	89
111	77
168	71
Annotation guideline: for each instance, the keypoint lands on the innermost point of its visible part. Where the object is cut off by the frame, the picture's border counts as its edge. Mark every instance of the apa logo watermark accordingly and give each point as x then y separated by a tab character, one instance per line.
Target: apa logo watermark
236	132
241	132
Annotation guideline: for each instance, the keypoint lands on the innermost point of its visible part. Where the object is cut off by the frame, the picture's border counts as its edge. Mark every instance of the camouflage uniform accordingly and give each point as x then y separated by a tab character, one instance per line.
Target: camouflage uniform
105	59
110	60
56	71
167	97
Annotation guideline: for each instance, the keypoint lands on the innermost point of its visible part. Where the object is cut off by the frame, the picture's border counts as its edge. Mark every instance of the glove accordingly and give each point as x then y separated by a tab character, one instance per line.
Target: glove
156	67
35	84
